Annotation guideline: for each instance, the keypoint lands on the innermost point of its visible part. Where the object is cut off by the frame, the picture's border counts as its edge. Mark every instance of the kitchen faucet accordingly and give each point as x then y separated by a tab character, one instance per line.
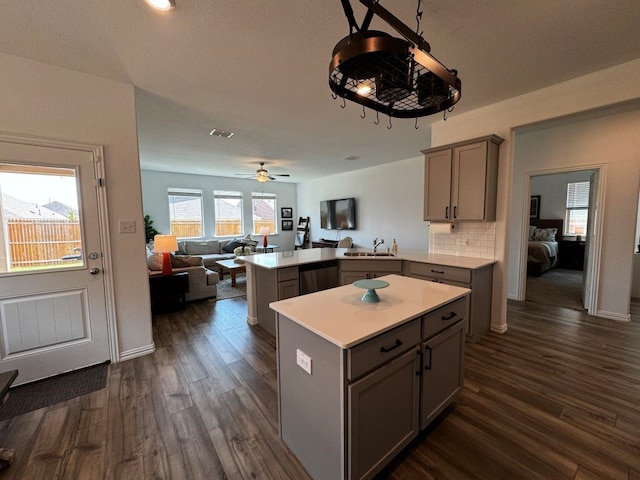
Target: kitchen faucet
377	243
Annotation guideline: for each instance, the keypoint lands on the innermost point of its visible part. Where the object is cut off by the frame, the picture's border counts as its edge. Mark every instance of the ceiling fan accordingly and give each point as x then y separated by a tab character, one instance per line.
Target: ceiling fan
262	174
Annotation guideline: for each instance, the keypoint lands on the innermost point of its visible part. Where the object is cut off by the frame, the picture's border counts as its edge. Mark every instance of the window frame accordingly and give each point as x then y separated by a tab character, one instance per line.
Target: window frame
228	194
185	192
577	200
256	196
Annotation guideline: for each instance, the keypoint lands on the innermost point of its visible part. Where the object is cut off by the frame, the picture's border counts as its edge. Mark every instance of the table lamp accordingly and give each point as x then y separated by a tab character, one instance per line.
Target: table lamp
264	231
165	244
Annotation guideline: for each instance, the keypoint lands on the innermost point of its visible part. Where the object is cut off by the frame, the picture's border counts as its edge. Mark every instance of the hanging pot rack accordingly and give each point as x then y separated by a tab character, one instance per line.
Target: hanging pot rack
395	76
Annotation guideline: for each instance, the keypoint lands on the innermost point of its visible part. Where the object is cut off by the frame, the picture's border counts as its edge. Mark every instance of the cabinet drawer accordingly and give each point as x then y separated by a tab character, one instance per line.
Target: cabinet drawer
289	273
441	272
378	266
378	350
443	317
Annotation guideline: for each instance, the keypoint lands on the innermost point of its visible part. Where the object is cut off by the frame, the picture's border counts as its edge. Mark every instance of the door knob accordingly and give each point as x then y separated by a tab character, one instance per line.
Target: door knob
94	271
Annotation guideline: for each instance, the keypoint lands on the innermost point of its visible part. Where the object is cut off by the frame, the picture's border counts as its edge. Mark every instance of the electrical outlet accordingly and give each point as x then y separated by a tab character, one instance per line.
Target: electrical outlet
303	360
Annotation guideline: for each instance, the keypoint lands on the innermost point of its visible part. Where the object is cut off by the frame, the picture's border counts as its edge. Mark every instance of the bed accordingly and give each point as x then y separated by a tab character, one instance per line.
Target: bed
544	238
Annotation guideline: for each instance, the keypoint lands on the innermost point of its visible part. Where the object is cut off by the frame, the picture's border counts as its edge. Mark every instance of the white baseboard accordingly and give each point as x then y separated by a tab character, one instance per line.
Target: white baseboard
137	352
620	317
499	328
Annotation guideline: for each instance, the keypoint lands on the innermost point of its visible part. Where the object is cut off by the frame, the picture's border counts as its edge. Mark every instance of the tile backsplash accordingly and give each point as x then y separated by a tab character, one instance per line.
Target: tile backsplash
468	239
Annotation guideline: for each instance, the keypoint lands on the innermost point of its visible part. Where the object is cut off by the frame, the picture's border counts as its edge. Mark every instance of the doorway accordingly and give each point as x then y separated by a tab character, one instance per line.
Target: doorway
53	302
569	279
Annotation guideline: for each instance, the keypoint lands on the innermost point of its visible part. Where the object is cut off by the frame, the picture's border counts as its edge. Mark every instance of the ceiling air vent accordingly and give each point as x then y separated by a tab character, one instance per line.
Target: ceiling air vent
216	132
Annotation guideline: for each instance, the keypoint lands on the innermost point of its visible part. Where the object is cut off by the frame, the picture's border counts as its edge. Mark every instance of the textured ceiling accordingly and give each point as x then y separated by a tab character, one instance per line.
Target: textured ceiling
260	69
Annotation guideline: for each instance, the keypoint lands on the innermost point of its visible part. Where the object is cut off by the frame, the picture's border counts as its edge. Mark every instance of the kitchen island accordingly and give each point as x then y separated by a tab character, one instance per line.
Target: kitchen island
277	276
357	381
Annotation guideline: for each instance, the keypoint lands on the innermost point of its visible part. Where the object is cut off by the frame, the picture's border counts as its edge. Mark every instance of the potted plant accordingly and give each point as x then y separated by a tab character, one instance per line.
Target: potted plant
149	230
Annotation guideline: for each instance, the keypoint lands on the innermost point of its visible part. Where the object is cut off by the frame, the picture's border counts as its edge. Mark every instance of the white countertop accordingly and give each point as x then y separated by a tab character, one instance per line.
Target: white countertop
341	317
312	255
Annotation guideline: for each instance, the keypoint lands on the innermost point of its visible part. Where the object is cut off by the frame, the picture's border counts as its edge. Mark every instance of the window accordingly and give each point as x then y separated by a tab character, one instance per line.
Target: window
264	212
577	208
227	208
185	212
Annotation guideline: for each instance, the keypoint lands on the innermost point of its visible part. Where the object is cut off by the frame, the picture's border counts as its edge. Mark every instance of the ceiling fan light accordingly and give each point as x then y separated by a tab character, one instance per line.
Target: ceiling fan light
262	176
162	4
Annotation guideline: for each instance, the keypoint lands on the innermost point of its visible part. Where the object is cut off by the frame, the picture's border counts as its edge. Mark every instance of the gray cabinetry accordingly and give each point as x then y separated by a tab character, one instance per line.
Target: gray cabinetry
273	285
352	270
461	180
383	414
443	359
479	280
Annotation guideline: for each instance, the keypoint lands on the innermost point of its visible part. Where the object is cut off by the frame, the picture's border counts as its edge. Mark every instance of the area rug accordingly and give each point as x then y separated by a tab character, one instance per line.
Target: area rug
225	290
36	395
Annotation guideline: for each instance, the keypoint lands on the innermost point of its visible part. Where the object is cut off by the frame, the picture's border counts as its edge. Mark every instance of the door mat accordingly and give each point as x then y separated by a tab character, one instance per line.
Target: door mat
42	393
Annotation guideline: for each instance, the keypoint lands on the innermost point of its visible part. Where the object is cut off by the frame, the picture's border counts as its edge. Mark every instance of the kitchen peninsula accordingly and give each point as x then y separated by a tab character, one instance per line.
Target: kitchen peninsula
357	381
282	275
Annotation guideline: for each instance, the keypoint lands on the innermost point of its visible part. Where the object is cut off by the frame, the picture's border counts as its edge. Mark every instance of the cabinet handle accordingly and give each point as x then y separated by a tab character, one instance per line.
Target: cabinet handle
455	211
446	212
428	367
396	345
450	316
437	271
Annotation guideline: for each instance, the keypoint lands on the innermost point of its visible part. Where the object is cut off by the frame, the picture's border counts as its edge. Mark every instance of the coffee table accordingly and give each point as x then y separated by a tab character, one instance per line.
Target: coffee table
230	266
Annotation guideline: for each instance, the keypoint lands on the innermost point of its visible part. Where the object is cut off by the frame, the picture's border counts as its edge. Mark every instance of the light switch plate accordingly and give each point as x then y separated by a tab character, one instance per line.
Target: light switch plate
303	360
127	226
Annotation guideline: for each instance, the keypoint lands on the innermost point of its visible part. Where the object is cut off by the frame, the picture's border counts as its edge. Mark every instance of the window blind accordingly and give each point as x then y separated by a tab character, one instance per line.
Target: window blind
578	195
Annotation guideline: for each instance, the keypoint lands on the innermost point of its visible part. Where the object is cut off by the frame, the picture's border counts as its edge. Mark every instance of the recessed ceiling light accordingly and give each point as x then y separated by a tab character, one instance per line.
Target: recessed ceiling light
216	132
162	4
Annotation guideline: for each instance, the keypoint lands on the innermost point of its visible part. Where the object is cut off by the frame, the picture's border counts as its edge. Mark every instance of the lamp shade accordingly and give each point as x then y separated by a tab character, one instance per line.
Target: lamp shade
264	231
165	243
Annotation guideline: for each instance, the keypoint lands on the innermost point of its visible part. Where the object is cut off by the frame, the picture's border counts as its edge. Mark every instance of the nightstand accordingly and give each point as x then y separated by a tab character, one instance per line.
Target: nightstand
168	292
571	255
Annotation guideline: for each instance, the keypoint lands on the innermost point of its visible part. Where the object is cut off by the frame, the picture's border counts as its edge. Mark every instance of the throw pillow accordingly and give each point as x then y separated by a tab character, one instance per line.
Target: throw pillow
545	234
154	261
231	245
181	261
531	230
252	244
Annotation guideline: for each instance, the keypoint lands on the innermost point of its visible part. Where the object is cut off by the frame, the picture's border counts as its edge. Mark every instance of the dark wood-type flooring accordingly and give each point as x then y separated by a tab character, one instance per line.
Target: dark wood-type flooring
556	397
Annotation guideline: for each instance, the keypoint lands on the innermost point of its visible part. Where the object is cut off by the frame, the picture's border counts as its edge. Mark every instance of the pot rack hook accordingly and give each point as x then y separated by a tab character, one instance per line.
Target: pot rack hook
364	114
389	127
416	124
344	103
377	120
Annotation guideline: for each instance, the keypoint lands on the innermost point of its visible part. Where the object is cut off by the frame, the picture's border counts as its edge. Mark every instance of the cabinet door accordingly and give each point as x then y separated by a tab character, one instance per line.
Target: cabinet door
384	414
347	278
443	371
469	181
288	289
437	185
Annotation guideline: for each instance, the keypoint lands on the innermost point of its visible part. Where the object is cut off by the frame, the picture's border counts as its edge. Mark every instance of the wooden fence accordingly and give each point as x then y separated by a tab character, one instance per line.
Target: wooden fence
40	243
224	228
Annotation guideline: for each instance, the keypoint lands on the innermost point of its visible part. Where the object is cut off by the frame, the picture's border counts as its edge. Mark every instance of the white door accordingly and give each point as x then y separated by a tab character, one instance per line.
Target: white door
587	271
52	297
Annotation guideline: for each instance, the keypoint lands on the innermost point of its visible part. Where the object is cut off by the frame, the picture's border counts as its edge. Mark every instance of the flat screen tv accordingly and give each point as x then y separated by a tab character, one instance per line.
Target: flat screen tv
338	214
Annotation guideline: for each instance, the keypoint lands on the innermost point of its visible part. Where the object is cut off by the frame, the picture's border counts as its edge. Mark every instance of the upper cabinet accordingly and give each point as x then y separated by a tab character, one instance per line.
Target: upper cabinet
461	180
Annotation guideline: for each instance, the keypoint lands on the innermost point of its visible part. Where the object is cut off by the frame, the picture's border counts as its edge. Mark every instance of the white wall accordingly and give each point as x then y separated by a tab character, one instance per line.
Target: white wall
156	204
389	204
597	90
552	189
41	100
614	141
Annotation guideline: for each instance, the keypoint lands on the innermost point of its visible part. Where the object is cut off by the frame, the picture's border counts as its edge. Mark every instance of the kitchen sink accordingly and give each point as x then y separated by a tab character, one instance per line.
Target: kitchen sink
369	254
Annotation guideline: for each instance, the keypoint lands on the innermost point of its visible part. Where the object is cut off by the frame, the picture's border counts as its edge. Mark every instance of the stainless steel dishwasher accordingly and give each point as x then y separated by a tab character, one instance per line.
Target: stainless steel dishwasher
318	276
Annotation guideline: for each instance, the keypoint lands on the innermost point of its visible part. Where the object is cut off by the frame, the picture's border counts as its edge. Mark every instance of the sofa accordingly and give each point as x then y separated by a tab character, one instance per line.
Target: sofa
203	282
213	250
